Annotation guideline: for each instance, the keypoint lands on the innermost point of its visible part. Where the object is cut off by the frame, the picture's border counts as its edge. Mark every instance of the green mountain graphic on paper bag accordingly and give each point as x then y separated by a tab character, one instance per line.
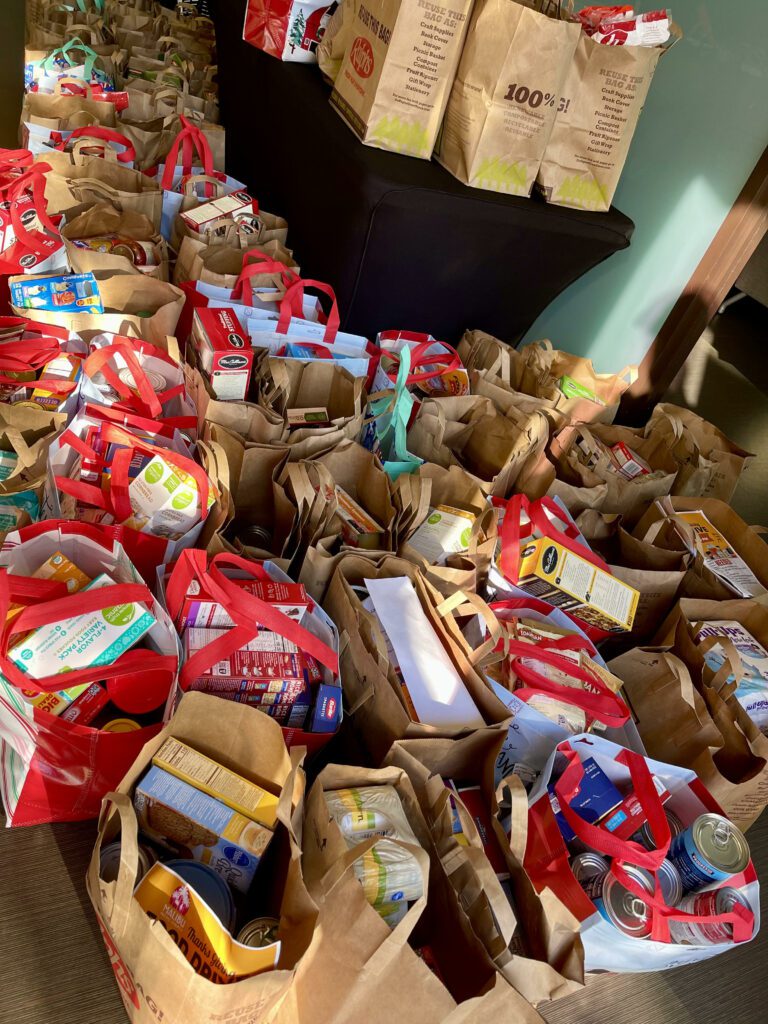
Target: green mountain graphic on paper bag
584	192
499	176
403	136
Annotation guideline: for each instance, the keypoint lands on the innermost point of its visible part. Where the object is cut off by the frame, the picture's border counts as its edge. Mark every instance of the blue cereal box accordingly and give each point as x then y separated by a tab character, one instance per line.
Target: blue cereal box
59	293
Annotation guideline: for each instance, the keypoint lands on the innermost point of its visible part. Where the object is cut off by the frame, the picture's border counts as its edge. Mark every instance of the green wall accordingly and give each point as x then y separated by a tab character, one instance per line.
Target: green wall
704	127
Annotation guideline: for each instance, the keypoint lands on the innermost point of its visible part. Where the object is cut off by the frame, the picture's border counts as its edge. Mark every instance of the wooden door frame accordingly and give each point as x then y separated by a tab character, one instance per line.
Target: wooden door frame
739	235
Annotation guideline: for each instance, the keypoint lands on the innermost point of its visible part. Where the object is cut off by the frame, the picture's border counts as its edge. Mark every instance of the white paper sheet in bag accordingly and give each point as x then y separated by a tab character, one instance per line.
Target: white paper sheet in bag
437	690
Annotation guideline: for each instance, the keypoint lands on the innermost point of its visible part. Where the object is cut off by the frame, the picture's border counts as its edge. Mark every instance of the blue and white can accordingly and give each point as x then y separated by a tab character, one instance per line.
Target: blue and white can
709	851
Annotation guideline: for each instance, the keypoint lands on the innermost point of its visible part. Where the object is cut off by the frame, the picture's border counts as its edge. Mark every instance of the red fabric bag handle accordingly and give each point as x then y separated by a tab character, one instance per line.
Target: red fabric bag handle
512	535
293	305
32	181
99	360
118	501
164	426
600	839
249	613
102	135
599	702
15	159
243	288
189	141
442	362
138	681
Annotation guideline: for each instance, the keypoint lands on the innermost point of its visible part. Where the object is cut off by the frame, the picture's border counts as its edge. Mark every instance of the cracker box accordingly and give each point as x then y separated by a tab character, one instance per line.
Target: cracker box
552	573
95	638
571	388
214	834
54	703
210	777
60	293
445	531
203	611
629	463
85	708
224	352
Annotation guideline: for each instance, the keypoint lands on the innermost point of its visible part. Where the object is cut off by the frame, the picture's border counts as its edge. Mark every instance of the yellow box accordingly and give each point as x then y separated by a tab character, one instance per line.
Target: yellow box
212	778
552	573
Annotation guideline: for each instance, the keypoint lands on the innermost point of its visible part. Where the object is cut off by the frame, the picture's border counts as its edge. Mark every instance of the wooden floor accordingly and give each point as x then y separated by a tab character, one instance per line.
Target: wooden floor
55	970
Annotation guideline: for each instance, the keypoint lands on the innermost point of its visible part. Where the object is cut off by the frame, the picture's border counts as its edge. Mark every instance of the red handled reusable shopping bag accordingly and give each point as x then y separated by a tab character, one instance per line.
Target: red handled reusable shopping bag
52	769
287	29
138	378
523	519
315	636
658	788
29	354
29	238
436	368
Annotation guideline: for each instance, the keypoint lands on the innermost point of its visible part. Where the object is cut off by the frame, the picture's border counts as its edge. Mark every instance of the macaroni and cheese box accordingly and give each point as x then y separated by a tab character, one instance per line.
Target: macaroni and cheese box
210	777
552	573
226	840
60	293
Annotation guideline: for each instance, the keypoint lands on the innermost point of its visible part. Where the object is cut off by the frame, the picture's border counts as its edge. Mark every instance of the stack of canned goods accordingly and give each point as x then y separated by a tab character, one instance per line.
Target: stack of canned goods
701	857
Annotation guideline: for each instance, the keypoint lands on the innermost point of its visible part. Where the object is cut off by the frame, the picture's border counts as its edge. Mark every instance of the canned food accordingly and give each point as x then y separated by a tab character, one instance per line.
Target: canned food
585	865
670	882
141	254
156	380
645	836
209	886
625	911
261	931
712	849
706	904
109	861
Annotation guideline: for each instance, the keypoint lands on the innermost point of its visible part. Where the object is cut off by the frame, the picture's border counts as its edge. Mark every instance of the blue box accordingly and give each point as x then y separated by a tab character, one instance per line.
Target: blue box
326	713
59	293
596	797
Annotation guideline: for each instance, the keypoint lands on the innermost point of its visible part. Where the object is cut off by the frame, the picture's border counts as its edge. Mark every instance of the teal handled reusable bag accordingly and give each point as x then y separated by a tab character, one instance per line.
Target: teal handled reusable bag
386	428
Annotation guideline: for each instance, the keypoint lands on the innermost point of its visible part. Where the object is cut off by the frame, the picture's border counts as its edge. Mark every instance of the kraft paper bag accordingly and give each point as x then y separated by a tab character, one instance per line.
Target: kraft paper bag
595	124
134	305
152	974
482	352
70	189
104	219
691	716
396	74
532	940
505	96
376	709
710	464
544	366
583	465
378	970
336	38
29	432
360	475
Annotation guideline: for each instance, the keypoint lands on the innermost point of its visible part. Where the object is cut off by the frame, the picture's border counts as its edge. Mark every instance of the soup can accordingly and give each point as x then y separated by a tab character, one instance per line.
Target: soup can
712	849
623	909
209	886
585	865
109	861
261	931
670	882
707	904
645	836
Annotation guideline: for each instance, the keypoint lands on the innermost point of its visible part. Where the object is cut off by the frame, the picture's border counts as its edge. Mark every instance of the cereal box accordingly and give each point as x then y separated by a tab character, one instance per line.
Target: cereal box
752	689
62	293
200	609
213	833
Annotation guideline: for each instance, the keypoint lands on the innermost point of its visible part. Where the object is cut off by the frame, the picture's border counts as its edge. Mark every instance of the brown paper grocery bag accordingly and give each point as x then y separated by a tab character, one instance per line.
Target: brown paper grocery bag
71	189
583	462
152	974
544	366
710	463
103	220
505	96
397	72
27	431
376	708
660	526
221	263
687	714
598	112
360	475
336	39
134	305
533	942
482	352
